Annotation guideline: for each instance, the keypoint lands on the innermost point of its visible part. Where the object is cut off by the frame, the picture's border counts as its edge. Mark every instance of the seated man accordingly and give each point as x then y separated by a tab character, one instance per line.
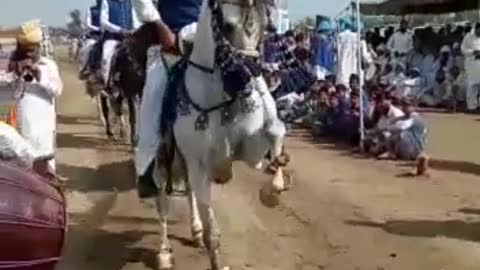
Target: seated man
456	87
376	139
319	110
438	95
408	134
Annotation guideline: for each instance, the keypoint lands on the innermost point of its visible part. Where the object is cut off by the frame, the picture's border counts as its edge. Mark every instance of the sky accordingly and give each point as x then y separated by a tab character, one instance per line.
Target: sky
55	12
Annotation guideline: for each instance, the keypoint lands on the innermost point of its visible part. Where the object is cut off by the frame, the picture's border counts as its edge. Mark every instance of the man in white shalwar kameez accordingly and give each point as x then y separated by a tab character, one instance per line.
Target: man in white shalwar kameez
348	58
36	107
176	18
471	52
401	43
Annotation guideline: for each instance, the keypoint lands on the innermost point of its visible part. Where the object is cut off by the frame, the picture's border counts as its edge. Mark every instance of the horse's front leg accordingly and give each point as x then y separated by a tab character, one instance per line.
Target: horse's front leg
133	105
279	160
201	186
195	221
117	103
165	255
104	105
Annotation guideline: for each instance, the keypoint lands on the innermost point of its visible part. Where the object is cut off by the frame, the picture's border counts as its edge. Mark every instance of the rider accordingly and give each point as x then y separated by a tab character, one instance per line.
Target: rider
94	34
175	18
117	19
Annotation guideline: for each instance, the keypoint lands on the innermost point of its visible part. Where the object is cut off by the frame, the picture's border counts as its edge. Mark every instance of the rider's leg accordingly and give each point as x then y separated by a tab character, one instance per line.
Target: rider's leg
108	51
149	120
84	57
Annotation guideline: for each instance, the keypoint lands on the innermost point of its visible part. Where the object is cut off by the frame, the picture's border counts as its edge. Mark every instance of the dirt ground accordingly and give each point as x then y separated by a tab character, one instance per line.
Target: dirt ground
344	213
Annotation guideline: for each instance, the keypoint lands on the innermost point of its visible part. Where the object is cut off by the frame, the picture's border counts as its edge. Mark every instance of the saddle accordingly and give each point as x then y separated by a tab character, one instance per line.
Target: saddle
32	220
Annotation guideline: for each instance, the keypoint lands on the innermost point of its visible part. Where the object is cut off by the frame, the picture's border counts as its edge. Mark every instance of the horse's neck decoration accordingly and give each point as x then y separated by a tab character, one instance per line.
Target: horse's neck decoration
237	70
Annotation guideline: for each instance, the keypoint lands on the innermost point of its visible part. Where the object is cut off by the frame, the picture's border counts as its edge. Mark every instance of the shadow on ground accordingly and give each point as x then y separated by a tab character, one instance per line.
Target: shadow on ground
457	229
76	120
466	167
79	141
118	176
469	211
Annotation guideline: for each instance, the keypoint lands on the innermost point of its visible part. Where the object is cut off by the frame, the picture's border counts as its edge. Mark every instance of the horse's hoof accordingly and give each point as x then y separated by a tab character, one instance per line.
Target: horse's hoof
165	260
197	240
288	178
283	160
268	196
271	169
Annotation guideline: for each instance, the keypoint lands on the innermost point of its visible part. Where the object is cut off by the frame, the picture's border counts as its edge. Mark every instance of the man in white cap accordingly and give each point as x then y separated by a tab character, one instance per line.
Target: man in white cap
471	52
36	108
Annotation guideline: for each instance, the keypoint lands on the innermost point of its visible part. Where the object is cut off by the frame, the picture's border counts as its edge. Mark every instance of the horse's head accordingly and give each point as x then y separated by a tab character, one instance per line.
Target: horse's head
139	42
243	23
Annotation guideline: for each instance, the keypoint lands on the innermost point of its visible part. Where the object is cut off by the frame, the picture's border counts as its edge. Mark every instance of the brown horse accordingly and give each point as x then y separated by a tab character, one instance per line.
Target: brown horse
127	77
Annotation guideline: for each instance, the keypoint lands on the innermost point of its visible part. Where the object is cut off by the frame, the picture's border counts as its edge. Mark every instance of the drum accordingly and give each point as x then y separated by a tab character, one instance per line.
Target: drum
32	220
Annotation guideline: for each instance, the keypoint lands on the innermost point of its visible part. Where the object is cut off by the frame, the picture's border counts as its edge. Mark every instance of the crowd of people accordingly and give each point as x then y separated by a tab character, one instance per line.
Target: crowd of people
400	70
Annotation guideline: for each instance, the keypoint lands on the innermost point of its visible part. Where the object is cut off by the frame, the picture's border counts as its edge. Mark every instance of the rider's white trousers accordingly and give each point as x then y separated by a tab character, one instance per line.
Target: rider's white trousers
108	51
149	137
150	112
85	52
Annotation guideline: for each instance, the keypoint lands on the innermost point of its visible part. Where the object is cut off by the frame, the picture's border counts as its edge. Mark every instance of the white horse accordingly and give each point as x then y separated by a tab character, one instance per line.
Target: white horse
215	128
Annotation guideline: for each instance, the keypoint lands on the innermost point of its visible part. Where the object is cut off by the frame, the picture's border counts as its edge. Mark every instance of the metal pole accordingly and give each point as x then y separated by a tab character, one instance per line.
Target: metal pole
360	75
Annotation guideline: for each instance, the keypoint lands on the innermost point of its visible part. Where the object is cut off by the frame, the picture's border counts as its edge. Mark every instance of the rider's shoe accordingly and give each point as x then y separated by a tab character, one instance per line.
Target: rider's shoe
146	186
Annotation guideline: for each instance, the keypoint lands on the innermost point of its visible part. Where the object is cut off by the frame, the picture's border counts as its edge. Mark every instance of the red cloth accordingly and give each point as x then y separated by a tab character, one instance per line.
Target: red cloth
32	220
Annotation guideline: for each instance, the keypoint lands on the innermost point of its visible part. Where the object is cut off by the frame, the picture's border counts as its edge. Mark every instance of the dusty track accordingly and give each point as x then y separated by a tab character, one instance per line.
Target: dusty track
344	213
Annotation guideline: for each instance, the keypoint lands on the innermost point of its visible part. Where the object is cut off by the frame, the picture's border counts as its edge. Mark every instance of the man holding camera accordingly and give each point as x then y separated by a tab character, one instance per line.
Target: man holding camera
42	84
471	52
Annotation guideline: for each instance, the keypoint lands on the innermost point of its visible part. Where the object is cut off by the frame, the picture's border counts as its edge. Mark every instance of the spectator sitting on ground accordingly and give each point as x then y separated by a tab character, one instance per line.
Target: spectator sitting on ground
412	87
457	86
320	108
334	119
377	138
438	95
408	137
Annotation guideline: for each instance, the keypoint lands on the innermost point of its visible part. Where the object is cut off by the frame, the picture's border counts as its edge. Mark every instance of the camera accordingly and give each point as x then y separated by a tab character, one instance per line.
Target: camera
27	74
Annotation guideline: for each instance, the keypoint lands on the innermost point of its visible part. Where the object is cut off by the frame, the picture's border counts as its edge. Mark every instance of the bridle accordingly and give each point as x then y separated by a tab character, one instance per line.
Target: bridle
236	69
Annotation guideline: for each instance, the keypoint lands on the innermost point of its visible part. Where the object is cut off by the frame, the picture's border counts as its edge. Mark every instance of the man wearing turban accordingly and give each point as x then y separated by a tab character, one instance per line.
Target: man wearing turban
323	54
347	46
42	84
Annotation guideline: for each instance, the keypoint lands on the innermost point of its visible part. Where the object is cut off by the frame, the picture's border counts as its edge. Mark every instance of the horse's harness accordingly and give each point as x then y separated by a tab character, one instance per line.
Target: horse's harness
237	70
